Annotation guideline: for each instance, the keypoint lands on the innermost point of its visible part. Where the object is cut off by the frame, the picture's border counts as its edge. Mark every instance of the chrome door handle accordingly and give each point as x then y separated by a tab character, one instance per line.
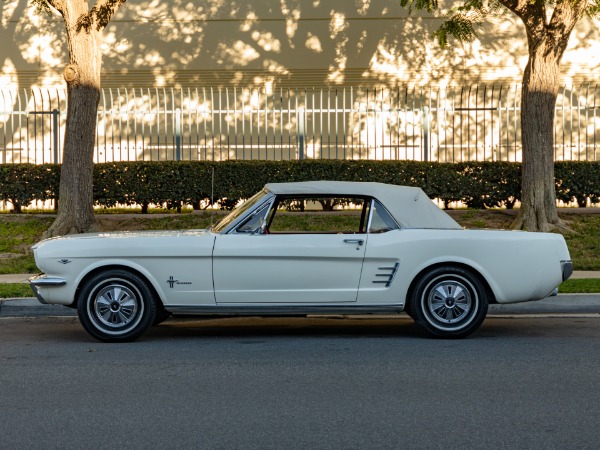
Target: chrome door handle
354	241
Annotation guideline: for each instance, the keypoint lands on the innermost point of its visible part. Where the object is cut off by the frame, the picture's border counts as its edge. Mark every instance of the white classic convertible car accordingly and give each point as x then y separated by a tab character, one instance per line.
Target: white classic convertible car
320	247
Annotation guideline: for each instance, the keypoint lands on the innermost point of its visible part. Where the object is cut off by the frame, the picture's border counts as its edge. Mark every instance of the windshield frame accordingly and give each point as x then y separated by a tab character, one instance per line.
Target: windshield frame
240	213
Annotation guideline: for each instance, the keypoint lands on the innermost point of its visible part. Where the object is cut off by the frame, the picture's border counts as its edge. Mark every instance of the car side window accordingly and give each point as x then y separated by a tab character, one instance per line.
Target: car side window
381	220
255	222
318	214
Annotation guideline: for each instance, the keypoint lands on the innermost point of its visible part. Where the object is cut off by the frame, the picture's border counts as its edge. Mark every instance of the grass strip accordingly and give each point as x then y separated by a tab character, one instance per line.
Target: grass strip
580	286
15	290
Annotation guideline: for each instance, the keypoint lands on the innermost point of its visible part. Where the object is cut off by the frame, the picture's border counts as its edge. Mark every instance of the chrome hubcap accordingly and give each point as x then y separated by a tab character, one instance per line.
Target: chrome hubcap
116	306
449	301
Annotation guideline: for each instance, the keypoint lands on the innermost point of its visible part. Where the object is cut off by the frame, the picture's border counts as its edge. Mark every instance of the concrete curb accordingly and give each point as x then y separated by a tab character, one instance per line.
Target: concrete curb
562	304
31	307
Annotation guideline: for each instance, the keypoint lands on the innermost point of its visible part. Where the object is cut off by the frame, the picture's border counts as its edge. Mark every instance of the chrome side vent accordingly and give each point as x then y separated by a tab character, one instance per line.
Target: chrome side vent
387	274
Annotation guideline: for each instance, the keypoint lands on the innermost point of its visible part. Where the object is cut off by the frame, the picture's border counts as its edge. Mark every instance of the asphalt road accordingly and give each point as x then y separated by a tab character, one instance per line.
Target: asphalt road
560	304
519	382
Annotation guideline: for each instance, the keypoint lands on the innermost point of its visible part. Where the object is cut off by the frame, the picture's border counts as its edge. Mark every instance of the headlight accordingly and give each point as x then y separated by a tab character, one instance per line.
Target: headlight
37	255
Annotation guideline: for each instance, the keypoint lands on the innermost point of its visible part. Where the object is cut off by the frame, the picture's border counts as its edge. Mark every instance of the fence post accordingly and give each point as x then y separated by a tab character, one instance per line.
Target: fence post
55	134
300	118
177	134
426	134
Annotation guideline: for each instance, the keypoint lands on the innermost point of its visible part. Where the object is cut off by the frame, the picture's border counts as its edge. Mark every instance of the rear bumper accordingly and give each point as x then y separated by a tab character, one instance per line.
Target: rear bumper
44	280
567	269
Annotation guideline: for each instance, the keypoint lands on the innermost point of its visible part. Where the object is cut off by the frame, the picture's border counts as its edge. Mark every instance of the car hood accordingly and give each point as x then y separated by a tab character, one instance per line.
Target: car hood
127	234
126	244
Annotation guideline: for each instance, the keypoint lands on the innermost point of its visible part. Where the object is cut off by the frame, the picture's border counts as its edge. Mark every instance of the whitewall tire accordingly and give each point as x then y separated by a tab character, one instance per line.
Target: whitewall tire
448	302
116	306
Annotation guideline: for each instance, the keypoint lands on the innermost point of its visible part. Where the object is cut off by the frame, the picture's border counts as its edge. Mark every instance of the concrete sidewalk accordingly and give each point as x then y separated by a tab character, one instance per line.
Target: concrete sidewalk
16	278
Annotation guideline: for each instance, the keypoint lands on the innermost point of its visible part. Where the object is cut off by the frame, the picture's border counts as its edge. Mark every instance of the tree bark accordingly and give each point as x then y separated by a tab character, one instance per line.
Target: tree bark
538	100
75	210
82	75
547	41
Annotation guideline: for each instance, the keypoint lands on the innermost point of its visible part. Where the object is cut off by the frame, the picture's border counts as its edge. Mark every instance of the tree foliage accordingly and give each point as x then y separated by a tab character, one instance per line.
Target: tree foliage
548	25
463	21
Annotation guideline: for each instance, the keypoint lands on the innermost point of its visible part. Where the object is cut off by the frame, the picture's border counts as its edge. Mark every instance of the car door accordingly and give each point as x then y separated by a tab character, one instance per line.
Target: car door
293	262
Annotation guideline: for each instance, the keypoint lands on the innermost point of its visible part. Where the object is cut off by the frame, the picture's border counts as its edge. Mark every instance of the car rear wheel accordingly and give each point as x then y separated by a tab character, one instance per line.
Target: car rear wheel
448	302
116	306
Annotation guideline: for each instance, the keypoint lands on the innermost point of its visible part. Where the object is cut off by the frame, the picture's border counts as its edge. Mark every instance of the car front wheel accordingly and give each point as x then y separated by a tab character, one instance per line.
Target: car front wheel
116	306
448	302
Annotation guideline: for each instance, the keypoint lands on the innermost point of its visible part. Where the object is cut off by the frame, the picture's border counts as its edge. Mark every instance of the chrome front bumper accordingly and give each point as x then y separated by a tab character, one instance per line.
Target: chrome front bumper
44	281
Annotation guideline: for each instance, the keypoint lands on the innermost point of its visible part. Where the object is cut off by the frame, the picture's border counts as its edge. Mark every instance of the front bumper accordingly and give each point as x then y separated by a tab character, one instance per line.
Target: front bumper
44	281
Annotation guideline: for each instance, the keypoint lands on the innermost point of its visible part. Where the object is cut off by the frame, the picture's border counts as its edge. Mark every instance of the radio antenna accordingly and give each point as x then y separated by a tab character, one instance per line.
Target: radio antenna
212	196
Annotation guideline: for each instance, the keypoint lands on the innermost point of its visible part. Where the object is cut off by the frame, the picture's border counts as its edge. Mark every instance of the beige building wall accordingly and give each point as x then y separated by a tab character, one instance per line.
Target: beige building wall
278	43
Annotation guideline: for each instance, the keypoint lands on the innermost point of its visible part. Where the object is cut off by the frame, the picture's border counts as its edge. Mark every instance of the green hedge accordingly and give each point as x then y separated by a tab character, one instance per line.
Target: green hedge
173	184
578	181
22	184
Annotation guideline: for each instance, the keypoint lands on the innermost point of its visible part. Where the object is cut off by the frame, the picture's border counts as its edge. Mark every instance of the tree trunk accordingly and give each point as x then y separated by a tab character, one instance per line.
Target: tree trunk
538	101
75	211
547	39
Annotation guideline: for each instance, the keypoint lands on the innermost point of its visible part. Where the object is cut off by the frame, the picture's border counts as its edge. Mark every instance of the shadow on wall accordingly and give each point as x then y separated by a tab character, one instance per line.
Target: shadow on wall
272	43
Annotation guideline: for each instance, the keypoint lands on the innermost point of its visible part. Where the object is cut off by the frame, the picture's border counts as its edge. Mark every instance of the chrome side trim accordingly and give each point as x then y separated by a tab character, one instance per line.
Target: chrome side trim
390	276
282	310
370	218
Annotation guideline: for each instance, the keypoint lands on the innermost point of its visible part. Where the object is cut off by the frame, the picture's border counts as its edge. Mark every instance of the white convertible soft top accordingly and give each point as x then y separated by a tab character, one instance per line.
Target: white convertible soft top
410	206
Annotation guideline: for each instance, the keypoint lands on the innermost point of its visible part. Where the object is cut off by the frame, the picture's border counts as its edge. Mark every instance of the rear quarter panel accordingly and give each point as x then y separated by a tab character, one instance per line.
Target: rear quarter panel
518	266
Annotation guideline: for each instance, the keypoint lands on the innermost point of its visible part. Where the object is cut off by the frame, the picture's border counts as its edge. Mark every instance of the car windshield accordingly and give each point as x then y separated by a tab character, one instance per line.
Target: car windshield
237	212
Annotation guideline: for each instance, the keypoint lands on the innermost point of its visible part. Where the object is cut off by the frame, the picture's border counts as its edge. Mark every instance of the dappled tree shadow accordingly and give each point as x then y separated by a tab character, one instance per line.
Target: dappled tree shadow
282	43
273	53
278	43
12	61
